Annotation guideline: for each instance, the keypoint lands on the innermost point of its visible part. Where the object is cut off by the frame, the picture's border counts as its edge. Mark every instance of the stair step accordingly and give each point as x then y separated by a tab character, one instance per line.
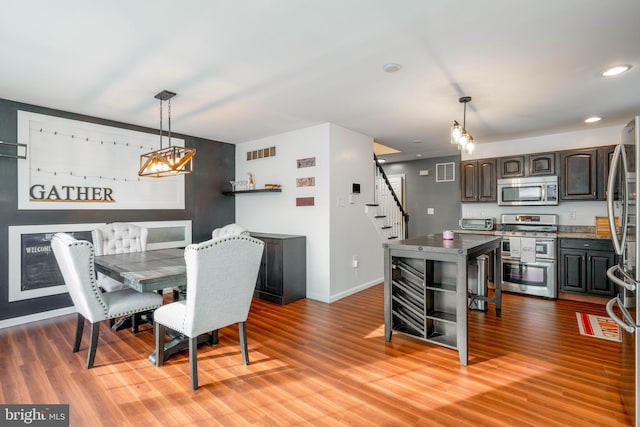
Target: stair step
392	237
371	204
386	227
380	216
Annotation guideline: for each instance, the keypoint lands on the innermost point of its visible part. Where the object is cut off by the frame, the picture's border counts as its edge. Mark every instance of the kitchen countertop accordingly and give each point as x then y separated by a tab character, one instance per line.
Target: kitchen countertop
565	232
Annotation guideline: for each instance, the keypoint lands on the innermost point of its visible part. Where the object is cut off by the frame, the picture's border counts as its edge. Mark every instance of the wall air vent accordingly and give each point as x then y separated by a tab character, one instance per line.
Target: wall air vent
445	172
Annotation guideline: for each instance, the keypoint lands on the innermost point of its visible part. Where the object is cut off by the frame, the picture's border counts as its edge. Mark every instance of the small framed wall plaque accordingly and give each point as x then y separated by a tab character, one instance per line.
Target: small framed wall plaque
305	201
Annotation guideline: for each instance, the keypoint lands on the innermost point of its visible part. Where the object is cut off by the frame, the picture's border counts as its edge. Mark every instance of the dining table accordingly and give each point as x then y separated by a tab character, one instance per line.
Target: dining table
148	271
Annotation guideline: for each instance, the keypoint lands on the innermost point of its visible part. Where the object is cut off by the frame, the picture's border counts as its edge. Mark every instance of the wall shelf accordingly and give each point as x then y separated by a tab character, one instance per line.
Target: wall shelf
261	190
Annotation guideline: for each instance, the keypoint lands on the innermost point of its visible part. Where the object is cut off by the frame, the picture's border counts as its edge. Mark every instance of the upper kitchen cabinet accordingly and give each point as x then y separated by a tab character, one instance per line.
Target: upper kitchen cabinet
578	173
541	164
512	167
538	164
478	180
605	158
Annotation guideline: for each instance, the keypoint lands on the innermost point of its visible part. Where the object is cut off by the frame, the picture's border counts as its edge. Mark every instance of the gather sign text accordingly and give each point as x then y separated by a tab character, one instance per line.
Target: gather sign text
70	193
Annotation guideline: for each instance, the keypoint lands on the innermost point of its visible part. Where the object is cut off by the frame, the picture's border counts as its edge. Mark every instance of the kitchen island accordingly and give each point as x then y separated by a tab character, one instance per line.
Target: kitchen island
425	287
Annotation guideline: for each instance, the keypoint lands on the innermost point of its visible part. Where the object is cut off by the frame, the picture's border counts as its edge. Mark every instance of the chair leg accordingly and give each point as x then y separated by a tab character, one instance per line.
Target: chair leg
135	320
159	339
93	344
193	361
79	329
242	332
214	337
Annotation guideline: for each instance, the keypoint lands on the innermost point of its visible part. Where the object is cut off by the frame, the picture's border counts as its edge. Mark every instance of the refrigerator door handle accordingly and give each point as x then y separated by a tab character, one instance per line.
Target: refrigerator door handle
624	325
611	274
619	156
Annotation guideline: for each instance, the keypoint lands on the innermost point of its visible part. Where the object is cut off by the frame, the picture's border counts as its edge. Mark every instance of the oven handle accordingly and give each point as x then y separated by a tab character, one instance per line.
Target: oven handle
509	260
624	325
611	274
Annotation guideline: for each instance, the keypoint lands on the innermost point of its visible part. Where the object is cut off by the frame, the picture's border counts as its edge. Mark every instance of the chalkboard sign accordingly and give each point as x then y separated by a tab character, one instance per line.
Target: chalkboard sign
38	263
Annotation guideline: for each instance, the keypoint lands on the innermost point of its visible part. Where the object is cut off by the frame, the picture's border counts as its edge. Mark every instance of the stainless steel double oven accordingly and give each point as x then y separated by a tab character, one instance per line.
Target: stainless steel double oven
529	259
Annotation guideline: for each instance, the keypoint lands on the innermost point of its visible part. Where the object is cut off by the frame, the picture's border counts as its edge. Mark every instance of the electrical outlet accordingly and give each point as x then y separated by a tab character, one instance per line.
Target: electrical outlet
354	262
430	211
572	214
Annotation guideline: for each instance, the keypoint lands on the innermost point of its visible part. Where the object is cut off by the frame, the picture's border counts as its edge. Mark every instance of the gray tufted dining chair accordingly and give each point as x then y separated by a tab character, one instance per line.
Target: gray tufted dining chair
75	259
221	279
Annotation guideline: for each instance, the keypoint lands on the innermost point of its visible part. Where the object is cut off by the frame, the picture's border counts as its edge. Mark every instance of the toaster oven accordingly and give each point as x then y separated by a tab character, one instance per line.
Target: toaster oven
477	223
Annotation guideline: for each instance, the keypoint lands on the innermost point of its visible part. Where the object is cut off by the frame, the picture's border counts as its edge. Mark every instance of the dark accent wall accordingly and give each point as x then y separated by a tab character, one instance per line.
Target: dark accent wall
423	192
214	166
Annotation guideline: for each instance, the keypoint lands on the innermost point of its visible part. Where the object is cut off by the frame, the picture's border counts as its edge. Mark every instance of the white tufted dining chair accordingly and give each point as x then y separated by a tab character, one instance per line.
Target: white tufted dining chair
229	230
117	238
76	262
221	279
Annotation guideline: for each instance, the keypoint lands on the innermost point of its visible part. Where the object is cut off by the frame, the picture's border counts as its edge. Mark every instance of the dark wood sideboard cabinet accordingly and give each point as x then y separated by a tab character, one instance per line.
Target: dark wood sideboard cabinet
283	270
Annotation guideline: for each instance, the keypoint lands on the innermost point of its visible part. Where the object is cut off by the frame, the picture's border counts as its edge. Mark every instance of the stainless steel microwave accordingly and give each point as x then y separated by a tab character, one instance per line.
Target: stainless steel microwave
529	191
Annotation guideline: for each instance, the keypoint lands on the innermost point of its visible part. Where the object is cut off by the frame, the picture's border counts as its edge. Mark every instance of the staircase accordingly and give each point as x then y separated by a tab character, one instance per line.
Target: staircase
386	211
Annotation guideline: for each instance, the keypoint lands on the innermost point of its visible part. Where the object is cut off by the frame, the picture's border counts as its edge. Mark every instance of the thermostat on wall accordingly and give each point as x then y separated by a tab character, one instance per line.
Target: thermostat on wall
355	188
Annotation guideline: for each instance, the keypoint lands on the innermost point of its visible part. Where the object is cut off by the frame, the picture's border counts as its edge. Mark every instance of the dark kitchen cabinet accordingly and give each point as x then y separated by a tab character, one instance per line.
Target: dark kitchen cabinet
541	164
478	180
283	270
583	265
578	174
511	167
605	159
538	164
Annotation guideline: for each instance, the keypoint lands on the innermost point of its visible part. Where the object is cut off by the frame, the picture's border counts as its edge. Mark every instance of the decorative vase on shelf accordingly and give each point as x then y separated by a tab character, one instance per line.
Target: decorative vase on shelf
251	183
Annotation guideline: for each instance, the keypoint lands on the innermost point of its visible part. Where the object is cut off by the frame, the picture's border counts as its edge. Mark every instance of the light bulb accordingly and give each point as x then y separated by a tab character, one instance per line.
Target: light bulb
464	139
470	146
456	132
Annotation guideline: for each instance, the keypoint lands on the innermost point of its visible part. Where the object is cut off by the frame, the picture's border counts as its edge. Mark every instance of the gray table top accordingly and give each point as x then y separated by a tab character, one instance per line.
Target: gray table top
145	271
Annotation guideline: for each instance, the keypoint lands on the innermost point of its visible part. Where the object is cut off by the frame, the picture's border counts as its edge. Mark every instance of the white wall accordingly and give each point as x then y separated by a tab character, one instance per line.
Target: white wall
570	213
334	234
352	233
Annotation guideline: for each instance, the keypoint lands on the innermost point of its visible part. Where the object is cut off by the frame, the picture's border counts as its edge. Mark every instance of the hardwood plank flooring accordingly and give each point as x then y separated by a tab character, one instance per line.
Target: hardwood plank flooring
328	364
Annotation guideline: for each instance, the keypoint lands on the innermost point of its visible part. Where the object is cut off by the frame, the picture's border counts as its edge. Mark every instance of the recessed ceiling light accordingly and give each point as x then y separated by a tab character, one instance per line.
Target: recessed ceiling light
391	67
593	119
381	160
417	141
418	155
614	71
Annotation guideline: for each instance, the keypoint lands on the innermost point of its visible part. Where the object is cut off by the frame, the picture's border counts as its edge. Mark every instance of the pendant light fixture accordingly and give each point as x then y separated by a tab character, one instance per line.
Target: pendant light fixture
166	161
459	134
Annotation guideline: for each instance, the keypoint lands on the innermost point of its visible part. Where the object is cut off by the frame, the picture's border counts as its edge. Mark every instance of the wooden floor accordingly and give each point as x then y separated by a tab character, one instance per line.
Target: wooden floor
328	364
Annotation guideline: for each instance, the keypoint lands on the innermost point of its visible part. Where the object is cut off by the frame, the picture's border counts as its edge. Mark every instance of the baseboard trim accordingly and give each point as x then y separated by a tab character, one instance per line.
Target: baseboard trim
7	323
355	290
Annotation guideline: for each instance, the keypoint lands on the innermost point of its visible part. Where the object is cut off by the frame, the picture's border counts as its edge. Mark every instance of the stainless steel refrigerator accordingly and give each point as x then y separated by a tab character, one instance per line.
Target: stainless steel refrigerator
622	188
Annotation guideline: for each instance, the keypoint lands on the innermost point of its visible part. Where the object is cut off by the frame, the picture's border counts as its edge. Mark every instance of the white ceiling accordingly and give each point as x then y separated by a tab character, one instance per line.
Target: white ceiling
246	69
